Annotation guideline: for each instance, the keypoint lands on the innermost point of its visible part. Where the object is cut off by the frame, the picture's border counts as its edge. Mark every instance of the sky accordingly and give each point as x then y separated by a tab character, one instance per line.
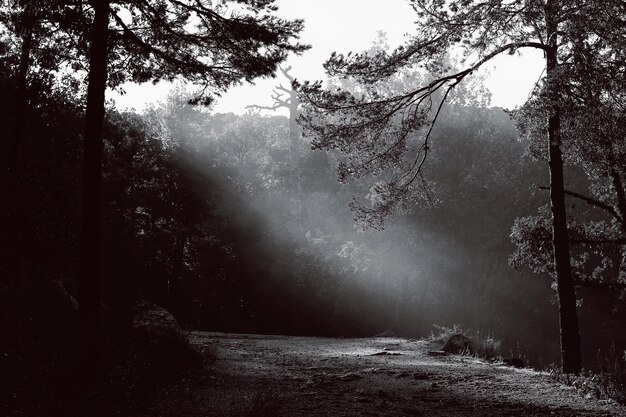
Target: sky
344	26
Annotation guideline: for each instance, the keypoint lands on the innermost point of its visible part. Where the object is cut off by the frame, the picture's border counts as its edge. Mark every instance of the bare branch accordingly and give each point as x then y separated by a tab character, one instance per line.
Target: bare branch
285	72
286	90
256	106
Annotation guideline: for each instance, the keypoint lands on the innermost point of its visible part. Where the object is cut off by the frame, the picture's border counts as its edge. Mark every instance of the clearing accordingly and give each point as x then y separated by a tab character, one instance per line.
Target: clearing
256	375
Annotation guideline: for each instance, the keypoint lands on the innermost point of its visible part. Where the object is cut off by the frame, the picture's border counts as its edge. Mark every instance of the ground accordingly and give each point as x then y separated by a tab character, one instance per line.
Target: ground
255	375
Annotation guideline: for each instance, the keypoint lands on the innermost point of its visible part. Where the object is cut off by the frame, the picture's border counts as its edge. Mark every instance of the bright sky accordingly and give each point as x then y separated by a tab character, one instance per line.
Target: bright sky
343	26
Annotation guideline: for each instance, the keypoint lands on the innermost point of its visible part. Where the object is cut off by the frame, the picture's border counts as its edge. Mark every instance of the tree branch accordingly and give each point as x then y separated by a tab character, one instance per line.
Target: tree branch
285	72
280	87
430	129
198	66
256	106
593	202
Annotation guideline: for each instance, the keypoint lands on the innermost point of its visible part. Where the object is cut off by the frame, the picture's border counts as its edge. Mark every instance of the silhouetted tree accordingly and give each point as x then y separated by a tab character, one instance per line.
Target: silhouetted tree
287	98
40	39
593	126
230	42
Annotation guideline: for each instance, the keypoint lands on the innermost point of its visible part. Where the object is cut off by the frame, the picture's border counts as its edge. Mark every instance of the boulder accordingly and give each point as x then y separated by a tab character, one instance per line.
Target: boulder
459	344
158	348
153	322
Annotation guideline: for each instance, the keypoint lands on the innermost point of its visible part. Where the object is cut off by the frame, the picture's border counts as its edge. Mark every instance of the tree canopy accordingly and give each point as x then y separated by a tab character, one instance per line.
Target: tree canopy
214	45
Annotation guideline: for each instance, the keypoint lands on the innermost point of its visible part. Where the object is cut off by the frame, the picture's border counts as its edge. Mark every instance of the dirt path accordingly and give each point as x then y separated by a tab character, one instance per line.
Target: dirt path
298	376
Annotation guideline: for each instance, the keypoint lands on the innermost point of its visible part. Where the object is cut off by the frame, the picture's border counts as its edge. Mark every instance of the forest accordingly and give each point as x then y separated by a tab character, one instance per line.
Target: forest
391	199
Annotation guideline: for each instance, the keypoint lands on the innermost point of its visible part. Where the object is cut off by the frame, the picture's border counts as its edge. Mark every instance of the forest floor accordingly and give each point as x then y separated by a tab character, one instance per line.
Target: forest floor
255	375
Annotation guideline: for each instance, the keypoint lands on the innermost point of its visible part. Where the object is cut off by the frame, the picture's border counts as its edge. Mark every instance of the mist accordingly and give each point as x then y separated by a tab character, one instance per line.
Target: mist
298	264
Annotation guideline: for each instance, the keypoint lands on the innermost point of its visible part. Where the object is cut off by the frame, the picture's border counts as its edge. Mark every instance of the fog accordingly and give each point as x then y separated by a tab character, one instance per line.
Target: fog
324	274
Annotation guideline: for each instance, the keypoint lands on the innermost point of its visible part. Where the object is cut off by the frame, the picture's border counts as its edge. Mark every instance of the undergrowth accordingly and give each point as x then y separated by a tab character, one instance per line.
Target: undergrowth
41	373
609	382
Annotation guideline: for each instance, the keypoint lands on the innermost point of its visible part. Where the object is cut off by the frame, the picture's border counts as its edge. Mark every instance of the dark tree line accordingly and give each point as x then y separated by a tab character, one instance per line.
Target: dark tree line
118	41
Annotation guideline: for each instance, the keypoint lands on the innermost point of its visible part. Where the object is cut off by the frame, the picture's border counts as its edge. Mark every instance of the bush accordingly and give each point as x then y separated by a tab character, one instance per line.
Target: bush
609	382
441	334
486	345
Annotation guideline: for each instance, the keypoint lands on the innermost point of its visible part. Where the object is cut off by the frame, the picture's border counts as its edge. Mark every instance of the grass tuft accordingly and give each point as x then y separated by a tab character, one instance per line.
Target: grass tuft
609	382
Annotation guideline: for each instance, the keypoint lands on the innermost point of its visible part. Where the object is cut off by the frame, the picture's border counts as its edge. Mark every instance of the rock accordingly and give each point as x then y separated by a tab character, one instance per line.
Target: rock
159	342
437	353
459	344
514	362
153	322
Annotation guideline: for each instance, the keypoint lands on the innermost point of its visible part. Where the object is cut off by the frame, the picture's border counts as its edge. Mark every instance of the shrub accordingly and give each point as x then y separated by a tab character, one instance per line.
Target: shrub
485	345
612	374
608	382
440	334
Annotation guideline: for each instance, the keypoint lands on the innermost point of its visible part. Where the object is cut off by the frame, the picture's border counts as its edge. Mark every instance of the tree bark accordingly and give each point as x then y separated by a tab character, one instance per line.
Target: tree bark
21	84
13	172
570	338
293	104
90	243
618	184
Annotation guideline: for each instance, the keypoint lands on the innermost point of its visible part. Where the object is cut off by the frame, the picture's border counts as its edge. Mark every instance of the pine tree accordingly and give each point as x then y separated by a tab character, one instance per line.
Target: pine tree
376	130
212	45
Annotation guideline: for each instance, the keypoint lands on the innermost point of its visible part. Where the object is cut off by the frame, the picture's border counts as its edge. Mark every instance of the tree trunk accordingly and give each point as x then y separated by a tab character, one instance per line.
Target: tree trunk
13	172
89	273
570	339
294	139
21	84
621	197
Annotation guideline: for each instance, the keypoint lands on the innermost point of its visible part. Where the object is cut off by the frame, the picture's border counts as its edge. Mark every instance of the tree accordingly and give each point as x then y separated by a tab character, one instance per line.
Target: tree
290	102
40	40
593	125
152	40
43	36
376	130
